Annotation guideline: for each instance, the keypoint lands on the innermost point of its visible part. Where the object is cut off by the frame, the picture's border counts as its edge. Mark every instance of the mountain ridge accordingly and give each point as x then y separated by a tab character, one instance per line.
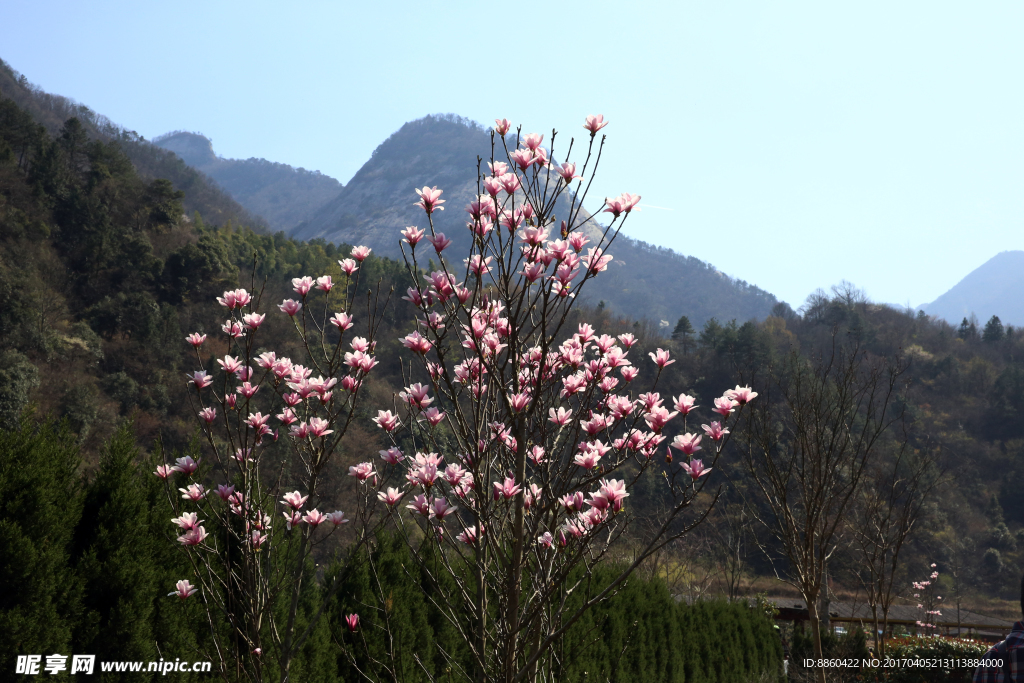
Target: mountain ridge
984	292
283	195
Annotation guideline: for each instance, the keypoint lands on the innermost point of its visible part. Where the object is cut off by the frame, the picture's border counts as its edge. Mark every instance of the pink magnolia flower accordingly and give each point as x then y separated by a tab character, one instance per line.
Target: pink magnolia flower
324	283
724	406
506	489
523	158
545	540
430	199
595	123
188	520
572	502
684	404
352	621
200	379
624	203
661	358
392	456
561	417
687	443
257	538
318	427
658	418
186	466
416	395
302	285
440	242
614	491
292	518
386	421
416	342
294	500
715	431
502	126
235	299
253	320
440	508
247	389
627	340
348	266
695	468
360	253
290	306
196	339
421	505
468	536
391	498
568	172
433	416
596	261
519	401
412	235
362	471
588	459
741	395
183	589
225	492
536	455
229	364
163	471
233	329
342	321
195	492
193	536
314	518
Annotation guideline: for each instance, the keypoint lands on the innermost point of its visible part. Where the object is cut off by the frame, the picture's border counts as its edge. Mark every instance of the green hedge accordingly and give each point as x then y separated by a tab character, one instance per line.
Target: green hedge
640	634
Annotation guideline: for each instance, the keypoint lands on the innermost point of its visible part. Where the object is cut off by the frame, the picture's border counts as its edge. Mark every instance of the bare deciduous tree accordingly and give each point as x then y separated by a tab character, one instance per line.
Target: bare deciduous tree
808	447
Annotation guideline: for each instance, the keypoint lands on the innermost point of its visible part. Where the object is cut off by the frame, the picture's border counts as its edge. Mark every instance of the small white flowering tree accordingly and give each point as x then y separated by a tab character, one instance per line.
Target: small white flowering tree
515	448
249	569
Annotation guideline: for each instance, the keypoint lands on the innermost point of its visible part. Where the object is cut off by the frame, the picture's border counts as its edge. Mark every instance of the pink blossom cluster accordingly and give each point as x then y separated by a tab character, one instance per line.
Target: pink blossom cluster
253	390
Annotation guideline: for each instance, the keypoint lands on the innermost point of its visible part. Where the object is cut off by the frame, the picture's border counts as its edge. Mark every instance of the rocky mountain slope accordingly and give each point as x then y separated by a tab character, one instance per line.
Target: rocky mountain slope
644	281
994	288
283	195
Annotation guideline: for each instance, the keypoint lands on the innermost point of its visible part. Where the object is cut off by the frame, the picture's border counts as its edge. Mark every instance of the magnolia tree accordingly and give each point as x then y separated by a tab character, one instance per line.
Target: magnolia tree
522	432
929	602
248	568
510	454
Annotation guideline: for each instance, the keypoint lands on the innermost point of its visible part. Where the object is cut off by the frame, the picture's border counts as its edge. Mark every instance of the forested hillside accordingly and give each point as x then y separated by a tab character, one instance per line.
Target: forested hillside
151	162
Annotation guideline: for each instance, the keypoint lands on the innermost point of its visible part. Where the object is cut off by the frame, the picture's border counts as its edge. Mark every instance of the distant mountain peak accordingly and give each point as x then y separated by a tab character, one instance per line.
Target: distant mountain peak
283	195
441	150
194	148
996	287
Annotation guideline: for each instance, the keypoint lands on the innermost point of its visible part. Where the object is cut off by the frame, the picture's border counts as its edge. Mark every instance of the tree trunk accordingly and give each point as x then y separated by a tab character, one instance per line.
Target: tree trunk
812	614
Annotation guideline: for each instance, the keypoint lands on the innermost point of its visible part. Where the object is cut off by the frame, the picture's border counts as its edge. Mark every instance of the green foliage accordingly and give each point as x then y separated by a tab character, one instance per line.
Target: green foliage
17	378
643	634
931	648
40	505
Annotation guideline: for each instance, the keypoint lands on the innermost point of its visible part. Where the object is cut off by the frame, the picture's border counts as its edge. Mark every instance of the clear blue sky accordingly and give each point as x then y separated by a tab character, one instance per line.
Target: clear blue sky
791	144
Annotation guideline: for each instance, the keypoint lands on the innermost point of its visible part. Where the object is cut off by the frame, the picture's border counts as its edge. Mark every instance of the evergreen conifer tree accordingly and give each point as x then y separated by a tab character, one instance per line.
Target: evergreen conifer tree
40	504
115	550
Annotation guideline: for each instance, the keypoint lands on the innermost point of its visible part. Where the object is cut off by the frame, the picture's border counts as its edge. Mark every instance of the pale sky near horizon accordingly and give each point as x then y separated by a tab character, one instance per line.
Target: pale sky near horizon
791	144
